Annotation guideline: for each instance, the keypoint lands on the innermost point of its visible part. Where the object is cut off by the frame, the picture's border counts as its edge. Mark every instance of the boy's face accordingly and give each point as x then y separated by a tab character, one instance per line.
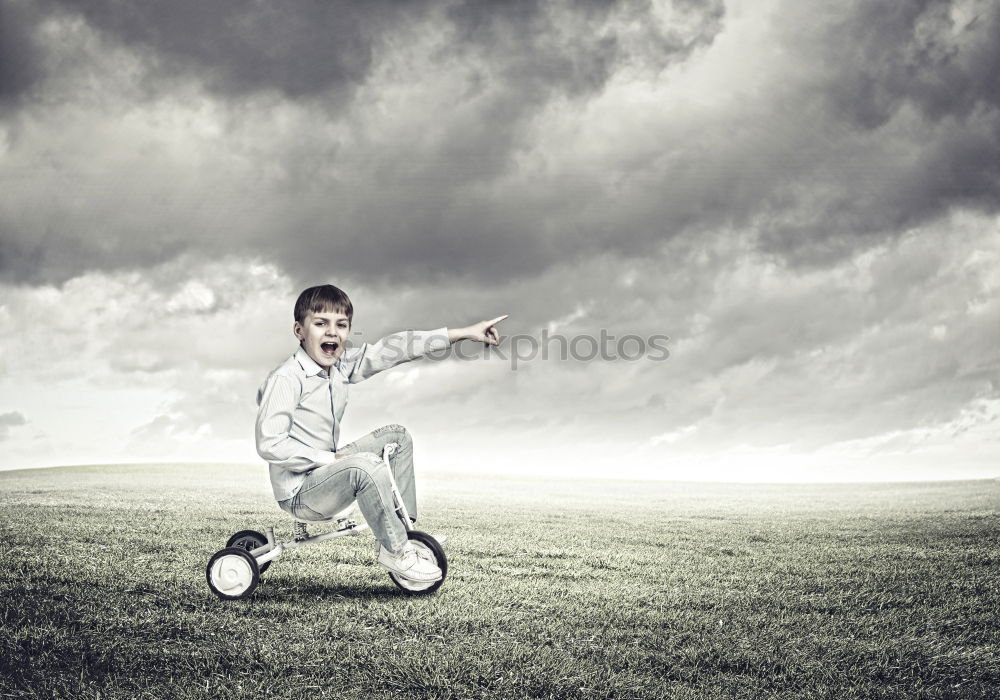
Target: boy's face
323	336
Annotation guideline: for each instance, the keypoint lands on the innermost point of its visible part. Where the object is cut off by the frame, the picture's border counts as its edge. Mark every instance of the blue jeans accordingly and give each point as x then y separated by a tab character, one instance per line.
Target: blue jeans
363	477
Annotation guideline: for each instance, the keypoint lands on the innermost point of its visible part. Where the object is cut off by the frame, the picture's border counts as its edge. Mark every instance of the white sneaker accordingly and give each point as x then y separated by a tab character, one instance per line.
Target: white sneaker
406	564
441	539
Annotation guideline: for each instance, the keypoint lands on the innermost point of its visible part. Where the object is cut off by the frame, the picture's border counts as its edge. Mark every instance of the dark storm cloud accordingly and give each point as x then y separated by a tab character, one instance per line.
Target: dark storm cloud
925	54
523	39
919	84
496	140
428	203
17	52
238	47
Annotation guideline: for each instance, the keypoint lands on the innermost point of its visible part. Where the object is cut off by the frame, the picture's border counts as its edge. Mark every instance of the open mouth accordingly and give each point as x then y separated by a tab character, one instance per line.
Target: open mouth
329	348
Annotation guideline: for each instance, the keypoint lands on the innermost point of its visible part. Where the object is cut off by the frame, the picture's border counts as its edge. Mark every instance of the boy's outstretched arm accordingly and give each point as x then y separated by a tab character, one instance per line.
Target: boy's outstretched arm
358	364
483	332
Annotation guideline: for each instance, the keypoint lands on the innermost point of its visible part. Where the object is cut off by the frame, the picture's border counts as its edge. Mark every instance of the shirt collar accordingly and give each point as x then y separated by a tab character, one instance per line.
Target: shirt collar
308	364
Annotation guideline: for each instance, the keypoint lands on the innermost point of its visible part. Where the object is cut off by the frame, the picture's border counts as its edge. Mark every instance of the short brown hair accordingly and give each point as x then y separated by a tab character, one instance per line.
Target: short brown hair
323	299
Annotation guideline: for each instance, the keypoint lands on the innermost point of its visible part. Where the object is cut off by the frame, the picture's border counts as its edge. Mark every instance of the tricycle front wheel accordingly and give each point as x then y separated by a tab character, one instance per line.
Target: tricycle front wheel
429	547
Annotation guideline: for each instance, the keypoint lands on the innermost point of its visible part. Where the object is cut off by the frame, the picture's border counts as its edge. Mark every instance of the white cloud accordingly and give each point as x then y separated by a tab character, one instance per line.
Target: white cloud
194	296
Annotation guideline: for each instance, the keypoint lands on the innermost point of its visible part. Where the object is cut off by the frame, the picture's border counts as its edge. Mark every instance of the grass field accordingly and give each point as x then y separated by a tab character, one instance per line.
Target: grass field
556	590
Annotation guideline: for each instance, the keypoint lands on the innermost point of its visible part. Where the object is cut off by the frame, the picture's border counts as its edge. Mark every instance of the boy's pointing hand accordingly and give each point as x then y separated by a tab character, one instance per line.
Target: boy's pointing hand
484	332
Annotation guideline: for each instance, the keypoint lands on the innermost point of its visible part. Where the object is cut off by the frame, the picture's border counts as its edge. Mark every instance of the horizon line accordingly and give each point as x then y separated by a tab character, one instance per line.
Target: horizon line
538	476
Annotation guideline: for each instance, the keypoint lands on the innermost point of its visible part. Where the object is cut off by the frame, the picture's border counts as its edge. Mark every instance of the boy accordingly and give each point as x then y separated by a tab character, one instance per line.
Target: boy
301	405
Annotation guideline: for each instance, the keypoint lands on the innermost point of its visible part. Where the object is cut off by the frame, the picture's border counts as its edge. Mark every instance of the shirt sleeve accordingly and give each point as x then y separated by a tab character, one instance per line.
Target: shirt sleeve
277	401
394	349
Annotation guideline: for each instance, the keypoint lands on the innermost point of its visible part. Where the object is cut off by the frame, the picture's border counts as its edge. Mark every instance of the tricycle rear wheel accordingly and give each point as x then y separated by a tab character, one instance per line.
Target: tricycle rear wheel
249	540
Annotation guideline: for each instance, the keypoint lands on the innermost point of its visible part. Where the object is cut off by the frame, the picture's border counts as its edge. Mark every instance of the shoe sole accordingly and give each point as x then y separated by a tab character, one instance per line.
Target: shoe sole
402	574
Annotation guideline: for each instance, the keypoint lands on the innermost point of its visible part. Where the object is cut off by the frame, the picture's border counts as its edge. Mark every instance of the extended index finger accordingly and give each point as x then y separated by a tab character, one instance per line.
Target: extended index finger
498	319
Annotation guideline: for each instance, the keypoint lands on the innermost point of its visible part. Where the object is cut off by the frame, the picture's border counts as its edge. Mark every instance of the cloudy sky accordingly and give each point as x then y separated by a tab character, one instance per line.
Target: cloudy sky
803	196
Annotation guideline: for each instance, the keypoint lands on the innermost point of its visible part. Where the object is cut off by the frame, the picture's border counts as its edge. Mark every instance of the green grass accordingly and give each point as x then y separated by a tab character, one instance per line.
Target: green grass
593	589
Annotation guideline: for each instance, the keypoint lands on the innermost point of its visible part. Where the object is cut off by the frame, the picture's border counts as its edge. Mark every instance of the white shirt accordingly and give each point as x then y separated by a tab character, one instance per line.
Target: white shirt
300	406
